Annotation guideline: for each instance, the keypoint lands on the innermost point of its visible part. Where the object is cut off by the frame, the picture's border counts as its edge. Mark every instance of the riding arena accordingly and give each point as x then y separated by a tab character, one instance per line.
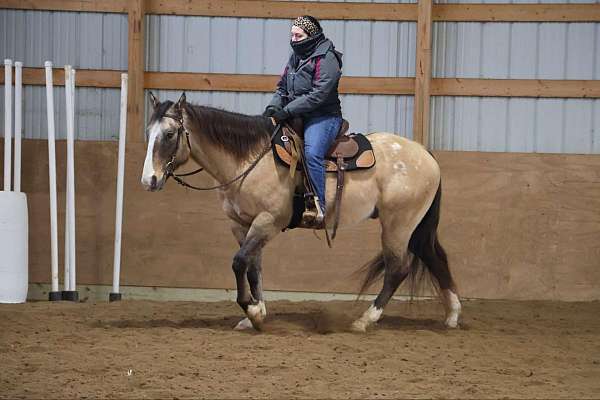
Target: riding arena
160	236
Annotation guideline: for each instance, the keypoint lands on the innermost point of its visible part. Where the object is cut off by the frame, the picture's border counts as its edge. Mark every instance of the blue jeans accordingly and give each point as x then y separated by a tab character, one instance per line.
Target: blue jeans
319	135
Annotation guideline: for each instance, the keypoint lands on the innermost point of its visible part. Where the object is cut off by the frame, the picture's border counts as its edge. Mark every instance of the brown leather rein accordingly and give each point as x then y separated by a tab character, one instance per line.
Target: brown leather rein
170	170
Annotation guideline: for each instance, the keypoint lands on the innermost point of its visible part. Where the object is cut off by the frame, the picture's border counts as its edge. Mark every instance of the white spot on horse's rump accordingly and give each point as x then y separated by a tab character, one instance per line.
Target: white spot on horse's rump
401	167
396	146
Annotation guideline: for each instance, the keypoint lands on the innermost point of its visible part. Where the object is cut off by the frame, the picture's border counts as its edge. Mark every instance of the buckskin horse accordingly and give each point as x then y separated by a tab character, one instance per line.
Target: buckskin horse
402	190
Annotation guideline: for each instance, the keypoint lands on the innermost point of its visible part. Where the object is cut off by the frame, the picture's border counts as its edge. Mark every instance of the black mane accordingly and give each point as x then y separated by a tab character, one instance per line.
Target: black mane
238	134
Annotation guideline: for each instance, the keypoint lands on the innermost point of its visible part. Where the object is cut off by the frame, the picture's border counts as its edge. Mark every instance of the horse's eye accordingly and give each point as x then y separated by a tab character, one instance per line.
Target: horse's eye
170	134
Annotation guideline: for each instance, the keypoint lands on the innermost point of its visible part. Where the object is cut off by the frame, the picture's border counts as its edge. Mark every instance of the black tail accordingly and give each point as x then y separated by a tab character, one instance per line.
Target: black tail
429	254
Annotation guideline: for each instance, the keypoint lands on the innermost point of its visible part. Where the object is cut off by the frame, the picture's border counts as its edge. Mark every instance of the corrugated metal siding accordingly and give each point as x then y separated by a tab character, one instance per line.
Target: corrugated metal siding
84	40
516	51
245	45
261	46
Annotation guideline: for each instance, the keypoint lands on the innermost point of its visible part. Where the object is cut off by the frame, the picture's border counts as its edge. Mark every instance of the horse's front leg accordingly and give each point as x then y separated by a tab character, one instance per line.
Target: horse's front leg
247	268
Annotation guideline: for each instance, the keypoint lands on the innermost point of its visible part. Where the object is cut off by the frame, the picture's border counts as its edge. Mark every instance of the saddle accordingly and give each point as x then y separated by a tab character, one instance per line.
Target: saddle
348	152
354	148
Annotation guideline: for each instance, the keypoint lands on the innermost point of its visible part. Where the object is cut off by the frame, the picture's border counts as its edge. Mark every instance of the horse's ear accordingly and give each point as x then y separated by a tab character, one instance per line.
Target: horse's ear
153	99
181	101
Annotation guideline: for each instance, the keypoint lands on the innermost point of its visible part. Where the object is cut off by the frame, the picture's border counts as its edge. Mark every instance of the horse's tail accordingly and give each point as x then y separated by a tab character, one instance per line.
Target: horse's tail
428	252
429	255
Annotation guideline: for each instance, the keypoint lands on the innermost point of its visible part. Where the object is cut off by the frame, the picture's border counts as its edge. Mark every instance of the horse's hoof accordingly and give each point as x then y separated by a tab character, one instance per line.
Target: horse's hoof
358	326
452	322
243	325
256	314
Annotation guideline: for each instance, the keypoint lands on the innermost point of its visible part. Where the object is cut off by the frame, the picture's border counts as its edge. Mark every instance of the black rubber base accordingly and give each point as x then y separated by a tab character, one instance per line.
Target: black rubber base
55	296
114	297
70	295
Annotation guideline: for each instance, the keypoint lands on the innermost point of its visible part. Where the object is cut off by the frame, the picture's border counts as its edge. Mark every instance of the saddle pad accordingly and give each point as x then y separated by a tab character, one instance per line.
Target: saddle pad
364	158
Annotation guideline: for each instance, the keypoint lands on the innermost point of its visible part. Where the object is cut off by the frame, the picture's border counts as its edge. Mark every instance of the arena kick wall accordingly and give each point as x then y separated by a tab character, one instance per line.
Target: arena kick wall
517	221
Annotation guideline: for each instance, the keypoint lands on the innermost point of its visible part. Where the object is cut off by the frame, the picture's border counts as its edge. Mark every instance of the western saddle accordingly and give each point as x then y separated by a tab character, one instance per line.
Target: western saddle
348	152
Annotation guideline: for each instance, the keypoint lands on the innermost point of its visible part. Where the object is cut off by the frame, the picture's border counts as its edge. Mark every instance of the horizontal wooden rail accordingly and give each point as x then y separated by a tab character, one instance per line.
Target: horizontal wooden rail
108	6
330	10
98	78
348	85
517	12
285	9
516	88
266	83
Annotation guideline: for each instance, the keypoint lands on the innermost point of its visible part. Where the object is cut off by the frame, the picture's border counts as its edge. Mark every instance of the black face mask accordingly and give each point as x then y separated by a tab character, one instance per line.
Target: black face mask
305	47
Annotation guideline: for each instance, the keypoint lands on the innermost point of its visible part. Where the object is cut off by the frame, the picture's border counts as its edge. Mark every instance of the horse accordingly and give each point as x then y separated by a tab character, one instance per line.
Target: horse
402	190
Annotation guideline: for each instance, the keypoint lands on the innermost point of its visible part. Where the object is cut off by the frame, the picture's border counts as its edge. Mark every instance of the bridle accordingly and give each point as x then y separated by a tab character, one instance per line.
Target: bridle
170	167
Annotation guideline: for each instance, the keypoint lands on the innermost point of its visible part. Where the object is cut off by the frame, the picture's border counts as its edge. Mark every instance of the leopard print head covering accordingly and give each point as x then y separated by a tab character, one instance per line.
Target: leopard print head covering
307	25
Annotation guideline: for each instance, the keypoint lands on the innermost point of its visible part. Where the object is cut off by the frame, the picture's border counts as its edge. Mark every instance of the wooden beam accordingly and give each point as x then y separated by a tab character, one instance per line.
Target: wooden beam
110	6
285	9
349	84
329	10
516	88
377	85
422	73
85	77
135	71
266	83
517	12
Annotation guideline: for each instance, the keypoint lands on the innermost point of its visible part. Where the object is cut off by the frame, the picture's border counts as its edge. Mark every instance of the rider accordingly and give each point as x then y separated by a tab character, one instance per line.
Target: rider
308	88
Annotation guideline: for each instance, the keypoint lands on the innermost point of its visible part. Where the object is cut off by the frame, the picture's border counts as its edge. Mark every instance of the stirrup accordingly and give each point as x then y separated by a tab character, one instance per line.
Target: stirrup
320	218
314	218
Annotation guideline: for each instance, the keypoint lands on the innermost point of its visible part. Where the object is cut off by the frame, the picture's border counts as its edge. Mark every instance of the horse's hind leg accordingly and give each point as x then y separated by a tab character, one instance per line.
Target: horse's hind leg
437	263
396	261
425	244
396	269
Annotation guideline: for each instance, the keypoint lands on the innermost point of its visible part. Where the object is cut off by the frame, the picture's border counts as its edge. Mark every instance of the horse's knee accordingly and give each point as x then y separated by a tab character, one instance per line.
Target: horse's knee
240	264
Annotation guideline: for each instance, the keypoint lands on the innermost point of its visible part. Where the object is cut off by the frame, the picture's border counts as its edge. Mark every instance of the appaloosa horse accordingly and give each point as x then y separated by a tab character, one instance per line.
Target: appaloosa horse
403	190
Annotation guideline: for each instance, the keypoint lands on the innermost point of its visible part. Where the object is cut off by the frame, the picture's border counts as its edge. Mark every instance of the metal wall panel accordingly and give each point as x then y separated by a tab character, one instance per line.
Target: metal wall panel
261	46
84	40
516	51
246	45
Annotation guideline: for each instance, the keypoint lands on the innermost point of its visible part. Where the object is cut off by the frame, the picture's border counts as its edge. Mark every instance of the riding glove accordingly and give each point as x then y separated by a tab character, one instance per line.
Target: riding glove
270	111
281	115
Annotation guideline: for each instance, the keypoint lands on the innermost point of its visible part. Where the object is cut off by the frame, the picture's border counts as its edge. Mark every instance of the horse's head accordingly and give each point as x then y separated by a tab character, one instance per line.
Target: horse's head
168	144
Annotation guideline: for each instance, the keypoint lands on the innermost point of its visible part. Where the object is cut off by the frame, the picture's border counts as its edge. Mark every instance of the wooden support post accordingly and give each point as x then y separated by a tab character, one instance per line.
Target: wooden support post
135	71
422	73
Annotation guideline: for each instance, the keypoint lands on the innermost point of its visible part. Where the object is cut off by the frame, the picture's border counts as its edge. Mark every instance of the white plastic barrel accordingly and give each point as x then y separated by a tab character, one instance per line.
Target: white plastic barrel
13	247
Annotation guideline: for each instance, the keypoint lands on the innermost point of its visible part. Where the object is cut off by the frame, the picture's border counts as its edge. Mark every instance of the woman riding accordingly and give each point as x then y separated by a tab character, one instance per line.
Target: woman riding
308	88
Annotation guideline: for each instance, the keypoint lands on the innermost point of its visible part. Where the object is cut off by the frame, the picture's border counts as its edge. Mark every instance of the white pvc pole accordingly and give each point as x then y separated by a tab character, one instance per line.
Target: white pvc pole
18	122
52	175
68	112
7	122
120	176
71	182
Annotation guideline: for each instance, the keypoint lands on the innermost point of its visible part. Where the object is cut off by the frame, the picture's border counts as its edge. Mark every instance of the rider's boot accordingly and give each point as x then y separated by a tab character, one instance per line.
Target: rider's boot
314	217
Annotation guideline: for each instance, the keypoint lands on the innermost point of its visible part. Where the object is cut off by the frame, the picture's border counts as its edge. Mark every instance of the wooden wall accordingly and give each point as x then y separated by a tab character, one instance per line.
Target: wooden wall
515	226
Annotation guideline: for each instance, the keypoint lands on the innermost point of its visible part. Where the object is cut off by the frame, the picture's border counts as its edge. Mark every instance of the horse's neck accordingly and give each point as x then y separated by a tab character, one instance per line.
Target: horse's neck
217	162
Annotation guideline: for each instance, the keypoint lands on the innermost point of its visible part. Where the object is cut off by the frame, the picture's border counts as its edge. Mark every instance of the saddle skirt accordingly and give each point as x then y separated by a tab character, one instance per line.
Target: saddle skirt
354	149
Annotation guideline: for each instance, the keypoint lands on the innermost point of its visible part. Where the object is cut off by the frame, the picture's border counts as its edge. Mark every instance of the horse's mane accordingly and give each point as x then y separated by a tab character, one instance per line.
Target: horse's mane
238	134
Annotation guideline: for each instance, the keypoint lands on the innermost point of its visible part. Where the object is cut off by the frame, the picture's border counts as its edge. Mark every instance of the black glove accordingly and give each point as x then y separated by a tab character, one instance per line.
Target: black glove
281	115
270	111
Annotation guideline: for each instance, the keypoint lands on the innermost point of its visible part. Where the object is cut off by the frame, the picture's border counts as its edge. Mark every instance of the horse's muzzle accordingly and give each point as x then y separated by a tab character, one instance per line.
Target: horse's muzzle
154	184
